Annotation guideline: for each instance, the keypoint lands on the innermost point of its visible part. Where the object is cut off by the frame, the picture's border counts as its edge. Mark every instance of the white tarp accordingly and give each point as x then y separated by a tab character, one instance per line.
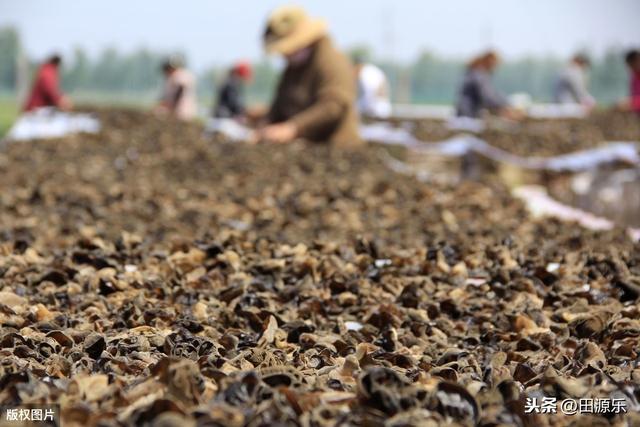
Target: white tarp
462	144
230	128
557	111
465	124
424	111
540	203
46	123
535	111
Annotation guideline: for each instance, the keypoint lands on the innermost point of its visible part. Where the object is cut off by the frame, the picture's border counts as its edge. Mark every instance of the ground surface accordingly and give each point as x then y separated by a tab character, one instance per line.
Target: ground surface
151	275
546	137
8	114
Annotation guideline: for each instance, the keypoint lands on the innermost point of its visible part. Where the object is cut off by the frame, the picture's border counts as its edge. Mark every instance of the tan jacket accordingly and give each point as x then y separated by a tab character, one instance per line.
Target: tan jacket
320	98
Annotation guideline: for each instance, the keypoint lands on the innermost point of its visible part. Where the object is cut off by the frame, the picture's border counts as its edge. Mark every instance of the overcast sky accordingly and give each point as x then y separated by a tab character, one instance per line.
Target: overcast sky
221	31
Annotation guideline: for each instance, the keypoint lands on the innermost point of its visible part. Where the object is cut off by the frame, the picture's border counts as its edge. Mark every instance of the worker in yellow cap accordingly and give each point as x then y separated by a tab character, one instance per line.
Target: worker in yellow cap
316	95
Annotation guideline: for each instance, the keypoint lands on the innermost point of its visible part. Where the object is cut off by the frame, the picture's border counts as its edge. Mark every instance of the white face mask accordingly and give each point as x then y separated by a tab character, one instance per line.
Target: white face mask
299	57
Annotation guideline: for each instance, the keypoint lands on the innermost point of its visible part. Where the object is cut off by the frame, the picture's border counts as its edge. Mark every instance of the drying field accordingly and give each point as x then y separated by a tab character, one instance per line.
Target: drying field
535	137
152	276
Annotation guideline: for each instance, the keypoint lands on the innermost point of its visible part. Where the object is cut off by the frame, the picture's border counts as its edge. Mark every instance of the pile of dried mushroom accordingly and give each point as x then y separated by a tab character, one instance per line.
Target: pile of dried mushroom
151	275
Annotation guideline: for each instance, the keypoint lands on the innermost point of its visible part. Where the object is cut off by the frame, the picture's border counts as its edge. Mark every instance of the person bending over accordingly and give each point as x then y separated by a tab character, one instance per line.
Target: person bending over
316	96
46	87
477	92
179	94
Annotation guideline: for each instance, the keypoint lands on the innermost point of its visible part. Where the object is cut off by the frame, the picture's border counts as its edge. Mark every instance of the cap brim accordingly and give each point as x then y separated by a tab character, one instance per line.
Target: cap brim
309	32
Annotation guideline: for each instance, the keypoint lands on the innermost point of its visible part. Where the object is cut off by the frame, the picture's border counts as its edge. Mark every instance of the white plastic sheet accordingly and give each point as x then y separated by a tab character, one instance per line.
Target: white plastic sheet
557	111
413	111
535	111
466	124
230	128
540	203
462	144
45	123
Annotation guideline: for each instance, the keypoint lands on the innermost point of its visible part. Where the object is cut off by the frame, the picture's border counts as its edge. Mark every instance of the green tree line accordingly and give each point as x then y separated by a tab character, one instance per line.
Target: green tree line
429	79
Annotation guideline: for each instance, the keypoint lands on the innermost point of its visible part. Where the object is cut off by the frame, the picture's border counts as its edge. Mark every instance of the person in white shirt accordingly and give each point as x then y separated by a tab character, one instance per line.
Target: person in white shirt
373	90
179	92
571	85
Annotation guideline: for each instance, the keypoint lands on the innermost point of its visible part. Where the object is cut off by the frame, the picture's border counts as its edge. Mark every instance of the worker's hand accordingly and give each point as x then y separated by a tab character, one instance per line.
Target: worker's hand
588	108
512	114
161	110
624	105
256	112
254	138
65	104
589	103
279	133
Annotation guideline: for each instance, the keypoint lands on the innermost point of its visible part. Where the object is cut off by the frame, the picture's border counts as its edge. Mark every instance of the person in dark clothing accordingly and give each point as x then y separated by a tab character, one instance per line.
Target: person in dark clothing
230	102
477	92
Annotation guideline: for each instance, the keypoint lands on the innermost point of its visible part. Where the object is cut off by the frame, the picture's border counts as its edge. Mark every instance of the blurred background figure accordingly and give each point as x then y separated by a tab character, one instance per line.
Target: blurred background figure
632	58
477	92
179	93
230	99
374	98
316	95
46	87
571	86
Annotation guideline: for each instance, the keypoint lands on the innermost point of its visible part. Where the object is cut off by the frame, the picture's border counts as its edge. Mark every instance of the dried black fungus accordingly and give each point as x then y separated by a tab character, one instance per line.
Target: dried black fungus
94	345
231	285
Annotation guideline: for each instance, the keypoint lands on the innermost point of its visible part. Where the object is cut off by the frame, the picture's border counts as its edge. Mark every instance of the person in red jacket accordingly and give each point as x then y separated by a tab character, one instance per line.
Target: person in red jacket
46	88
633	102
